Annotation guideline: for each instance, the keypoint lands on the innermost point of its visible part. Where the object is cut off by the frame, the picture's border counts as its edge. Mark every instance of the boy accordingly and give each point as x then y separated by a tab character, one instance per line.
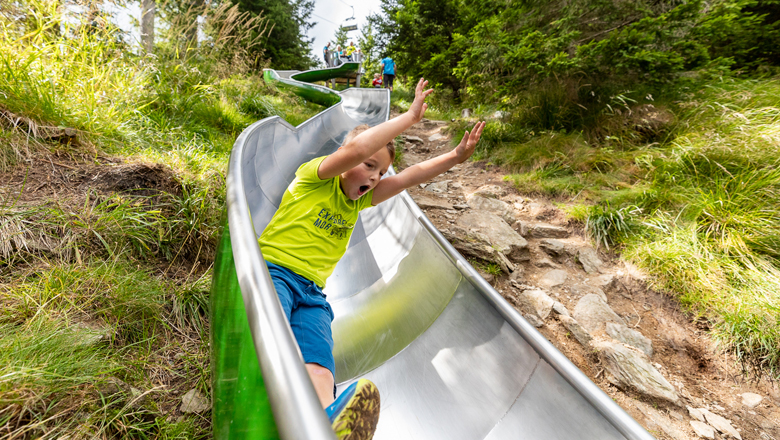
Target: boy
309	234
377	82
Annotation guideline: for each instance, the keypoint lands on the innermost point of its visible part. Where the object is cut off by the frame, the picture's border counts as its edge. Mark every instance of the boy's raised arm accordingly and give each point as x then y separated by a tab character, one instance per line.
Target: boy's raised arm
429	169
372	140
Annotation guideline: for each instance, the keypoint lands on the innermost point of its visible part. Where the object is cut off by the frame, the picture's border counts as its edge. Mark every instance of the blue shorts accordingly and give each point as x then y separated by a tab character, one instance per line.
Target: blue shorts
309	314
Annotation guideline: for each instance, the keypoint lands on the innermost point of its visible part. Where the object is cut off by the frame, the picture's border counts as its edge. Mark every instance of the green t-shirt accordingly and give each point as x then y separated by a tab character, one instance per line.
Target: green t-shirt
310	230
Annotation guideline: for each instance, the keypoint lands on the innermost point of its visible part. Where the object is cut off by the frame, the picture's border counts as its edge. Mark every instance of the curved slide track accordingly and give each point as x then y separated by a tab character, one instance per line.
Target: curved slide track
452	359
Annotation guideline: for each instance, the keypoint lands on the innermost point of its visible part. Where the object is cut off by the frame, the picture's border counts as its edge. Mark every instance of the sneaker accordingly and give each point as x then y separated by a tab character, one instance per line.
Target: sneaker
355	413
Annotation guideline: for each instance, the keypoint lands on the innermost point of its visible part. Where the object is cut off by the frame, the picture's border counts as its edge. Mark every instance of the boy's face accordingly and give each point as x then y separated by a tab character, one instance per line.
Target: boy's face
364	177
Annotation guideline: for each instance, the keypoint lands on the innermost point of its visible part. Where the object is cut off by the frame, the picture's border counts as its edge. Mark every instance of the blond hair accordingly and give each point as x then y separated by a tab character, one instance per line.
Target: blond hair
360	129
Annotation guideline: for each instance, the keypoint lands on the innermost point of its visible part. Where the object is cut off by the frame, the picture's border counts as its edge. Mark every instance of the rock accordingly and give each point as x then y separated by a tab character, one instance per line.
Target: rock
91	334
592	312
488	277
720	423
498	233
554	278
703	430
630	368
660	421
409	159
545	230
438	187
111	386
465	113
533	320
517	274
435	137
584	289
538	301
751	400
414	139
630	337
675	415
497	207
554	248
560	309
477	245
194	402
695	413
460	207
491	191
607	282
432	202
498	114
545	262
589	259
576	330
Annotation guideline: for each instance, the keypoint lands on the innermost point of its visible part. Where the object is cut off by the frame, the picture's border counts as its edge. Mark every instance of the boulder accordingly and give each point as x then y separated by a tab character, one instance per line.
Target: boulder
497	207
576	330
630	337
560	309
695	413
545	262
533	320
751	400
553	278
491	191
194	402
435	137
498	233
584	289
438	187
703	430
592	312
554	248
630	368
474	244
538	301
432	202
589	259
545	230
657	420
720	423
414	139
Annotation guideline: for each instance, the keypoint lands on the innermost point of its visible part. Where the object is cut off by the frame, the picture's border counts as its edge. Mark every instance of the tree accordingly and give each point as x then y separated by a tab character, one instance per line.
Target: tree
368	45
147	25
286	46
340	37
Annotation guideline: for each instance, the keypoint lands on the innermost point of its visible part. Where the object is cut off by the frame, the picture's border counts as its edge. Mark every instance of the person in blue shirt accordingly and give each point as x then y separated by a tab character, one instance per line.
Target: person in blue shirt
388	72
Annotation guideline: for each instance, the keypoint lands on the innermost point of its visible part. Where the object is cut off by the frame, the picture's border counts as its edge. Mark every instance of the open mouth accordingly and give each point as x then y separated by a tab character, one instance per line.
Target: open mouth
363	189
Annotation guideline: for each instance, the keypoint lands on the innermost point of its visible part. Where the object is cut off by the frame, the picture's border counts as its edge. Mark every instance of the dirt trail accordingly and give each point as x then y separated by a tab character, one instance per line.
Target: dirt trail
683	352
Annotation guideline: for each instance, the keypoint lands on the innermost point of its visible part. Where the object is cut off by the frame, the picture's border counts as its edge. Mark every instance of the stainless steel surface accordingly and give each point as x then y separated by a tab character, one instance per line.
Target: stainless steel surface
451	358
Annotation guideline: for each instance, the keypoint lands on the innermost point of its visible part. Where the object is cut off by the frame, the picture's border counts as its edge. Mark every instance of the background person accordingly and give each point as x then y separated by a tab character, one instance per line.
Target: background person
326	54
388	72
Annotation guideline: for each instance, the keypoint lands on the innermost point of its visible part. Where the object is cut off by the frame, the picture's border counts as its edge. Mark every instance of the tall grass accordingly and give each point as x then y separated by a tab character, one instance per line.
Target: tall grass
103	295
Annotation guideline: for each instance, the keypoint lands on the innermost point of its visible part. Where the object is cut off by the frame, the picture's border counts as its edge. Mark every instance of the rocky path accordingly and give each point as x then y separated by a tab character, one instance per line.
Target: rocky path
633	342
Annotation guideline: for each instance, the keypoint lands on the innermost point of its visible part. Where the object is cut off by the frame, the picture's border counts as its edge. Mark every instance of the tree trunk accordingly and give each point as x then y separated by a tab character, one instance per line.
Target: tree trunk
147	25
192	30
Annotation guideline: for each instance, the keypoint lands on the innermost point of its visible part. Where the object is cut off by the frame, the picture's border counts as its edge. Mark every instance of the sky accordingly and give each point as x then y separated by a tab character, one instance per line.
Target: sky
330	14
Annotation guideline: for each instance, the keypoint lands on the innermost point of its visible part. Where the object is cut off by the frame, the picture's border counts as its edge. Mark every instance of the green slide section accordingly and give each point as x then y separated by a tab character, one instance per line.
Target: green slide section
342	71
241	409
317	95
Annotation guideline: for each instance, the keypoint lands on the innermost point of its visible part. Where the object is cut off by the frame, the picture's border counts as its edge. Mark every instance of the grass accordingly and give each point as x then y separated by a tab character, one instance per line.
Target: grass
698	208
104	291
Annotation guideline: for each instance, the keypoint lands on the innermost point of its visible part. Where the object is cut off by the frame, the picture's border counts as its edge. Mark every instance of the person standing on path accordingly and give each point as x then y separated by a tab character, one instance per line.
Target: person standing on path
388	72
326	54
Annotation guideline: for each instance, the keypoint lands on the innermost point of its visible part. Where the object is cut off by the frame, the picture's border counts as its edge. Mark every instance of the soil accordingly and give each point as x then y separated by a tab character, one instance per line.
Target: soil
684	352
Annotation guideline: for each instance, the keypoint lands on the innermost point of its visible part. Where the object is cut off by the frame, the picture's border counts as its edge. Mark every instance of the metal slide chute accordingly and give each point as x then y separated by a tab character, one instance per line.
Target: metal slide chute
452	359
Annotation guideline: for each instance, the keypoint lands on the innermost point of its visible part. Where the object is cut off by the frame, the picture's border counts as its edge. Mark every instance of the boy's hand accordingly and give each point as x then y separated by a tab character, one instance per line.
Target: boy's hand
418	107
465	148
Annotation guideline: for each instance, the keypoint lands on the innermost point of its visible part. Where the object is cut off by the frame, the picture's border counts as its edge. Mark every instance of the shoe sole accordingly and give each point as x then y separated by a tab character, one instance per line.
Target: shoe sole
359	419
